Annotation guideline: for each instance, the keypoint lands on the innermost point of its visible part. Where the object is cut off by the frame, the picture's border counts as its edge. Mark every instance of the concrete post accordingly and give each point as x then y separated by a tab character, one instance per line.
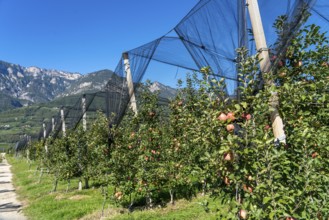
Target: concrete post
265	64
63	122
133	104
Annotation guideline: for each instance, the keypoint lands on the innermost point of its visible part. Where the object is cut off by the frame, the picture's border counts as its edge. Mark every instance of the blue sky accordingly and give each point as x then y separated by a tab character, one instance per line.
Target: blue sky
82	35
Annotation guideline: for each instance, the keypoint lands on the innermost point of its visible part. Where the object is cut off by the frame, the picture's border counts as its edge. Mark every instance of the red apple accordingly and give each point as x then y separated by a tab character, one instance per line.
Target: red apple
230	116
244	115
280	63
282	74
244	187
299	63
228	156
227	181
243	214
267	127
130	147
222	117
314	155
118	195
230	127
247	188
180	103
247	117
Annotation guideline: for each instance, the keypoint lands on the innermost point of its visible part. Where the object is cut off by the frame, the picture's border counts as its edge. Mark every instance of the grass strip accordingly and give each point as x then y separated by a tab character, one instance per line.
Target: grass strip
40	203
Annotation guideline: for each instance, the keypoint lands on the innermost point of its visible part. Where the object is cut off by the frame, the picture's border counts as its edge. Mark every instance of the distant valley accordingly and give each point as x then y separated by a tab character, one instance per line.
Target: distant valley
30	95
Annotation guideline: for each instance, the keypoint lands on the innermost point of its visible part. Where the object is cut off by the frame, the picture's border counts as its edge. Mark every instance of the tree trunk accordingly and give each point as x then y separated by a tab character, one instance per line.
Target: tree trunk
172	202
149	200
86	183
55	184
204	186
104	199
68	185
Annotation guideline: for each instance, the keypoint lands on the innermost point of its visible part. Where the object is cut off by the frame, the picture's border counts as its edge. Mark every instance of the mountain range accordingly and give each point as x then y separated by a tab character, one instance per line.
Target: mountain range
23	86
34	94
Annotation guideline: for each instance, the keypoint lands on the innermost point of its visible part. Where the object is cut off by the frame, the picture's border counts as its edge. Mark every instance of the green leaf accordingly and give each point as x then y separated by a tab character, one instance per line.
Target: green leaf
237	107
244	104
266	200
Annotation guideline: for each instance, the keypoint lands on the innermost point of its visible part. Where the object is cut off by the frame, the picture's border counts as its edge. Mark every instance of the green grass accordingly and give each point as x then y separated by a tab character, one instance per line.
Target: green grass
182	210
5	146
40	203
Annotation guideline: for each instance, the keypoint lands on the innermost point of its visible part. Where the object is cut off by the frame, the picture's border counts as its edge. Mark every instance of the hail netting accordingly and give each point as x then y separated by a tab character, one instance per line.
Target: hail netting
212	31
207	36
73	112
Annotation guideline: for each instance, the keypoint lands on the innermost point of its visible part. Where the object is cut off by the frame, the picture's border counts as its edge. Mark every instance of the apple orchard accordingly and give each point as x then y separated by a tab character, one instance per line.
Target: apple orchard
205	143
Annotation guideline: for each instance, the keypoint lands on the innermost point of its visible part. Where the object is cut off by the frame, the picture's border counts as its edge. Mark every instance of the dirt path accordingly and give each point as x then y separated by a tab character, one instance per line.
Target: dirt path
10	208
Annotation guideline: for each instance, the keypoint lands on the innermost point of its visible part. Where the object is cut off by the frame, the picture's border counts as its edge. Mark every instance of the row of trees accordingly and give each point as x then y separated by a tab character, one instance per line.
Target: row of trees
204	141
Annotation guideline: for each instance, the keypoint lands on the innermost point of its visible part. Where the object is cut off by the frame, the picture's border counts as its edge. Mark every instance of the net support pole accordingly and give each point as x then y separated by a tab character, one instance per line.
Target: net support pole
63	122
45	136
44	130
265	64
53	124
130	83
84	127
84	116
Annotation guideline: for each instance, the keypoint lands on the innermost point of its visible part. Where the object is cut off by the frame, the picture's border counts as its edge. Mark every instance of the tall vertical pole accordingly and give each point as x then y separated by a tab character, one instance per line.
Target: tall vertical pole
52	124
84	127
45	135
84	116
44	130
265	64
63	122
126	62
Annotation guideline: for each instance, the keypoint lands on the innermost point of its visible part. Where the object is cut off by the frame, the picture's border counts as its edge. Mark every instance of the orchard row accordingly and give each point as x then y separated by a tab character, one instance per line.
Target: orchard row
205	142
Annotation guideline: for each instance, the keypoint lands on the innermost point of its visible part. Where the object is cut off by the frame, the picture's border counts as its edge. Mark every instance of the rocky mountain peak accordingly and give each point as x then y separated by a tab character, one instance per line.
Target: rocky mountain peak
28	85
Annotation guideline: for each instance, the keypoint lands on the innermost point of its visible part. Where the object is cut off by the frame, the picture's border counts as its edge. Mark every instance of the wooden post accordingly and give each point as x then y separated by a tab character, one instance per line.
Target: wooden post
84	116
130	82
45	135
265	64
63	122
